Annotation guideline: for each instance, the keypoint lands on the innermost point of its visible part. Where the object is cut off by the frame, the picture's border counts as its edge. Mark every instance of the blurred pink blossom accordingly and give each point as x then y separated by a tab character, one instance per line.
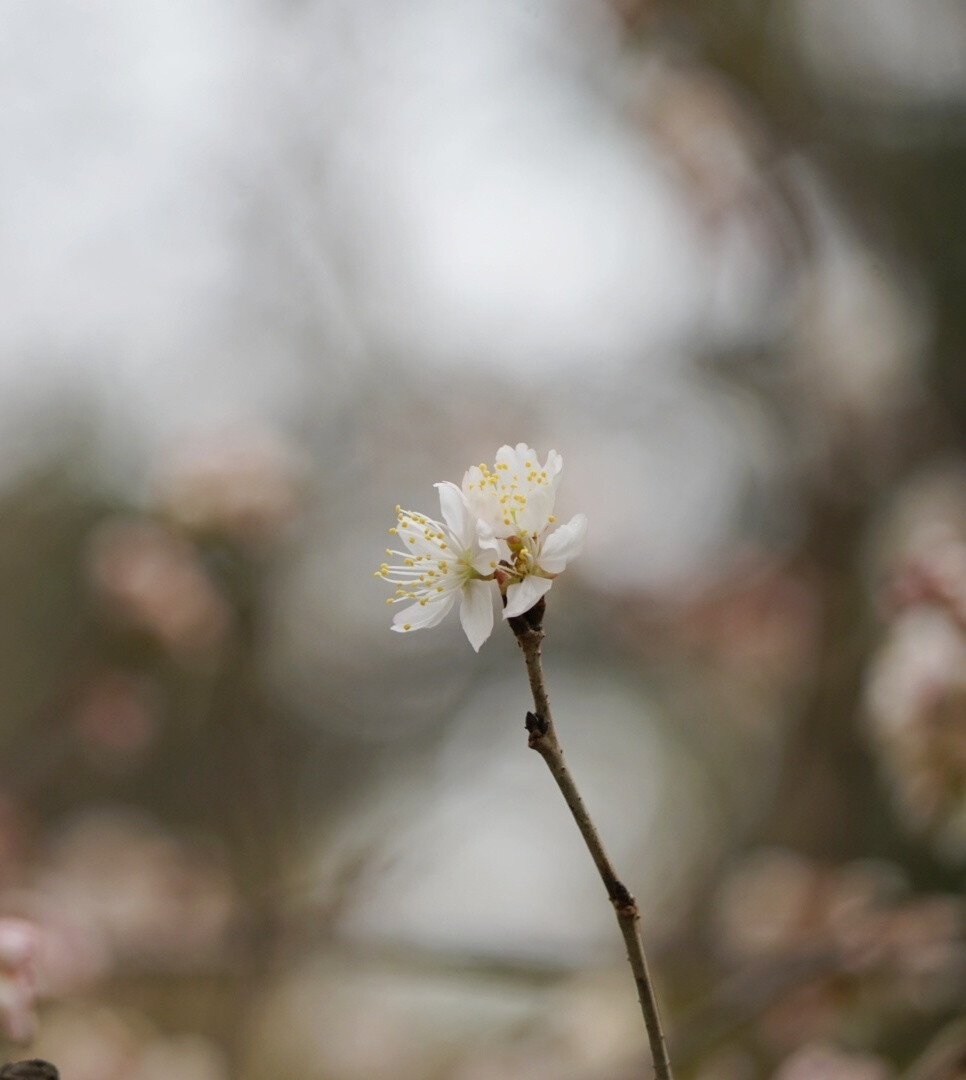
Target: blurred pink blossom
863	943
153	899
241	484
915	702
151	580
20	942
819	1061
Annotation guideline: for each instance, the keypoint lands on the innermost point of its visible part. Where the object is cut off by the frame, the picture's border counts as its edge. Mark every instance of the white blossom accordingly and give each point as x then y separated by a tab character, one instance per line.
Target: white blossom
440	563
515	498
536	560
498	527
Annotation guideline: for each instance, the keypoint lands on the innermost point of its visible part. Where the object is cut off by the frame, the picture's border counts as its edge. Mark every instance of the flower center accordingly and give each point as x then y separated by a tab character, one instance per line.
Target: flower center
521	554
509	489
430	566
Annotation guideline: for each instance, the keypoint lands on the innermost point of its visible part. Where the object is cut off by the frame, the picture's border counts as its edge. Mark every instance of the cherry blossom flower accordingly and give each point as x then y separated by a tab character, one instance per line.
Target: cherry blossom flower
515	499
516	496
538	559
443	562
499	526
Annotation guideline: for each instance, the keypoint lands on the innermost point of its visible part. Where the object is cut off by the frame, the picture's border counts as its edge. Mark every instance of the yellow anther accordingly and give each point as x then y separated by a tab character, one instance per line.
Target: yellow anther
439	588
388	551
423	602
392	532
528	464
389	600
407	626
493	565
551	519
412	540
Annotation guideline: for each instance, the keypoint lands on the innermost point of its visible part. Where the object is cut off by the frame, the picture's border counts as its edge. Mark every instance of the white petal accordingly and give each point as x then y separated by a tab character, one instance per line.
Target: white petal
421	616
485	563
513	456
476	612
522	597
553	466
453	506
486	538
491	556
562	545
539	506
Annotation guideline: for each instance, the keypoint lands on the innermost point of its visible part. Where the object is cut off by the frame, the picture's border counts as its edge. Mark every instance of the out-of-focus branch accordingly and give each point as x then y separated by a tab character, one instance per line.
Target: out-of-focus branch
35	1069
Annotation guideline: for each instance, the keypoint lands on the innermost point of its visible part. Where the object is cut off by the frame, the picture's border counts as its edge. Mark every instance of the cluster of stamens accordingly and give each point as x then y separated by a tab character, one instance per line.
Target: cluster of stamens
521	556
428	567
511	491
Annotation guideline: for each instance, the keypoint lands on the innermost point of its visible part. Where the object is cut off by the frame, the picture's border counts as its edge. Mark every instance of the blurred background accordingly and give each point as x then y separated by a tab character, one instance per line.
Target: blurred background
270	268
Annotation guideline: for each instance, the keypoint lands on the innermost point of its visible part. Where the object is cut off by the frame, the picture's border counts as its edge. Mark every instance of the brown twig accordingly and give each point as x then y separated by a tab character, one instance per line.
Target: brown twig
528	629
